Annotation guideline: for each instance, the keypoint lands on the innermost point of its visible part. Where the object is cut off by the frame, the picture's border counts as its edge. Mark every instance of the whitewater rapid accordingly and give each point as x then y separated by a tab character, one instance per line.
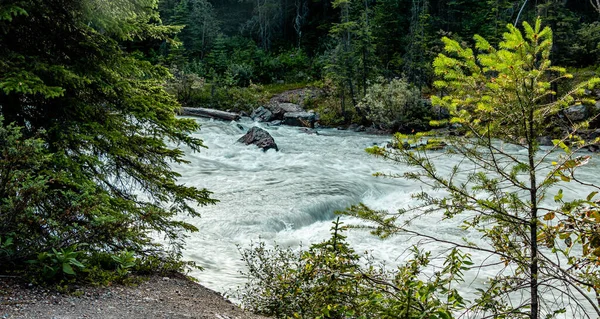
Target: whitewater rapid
289	197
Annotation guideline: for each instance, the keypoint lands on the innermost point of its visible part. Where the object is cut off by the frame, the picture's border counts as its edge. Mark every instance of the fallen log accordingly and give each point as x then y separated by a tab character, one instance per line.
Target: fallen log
209	113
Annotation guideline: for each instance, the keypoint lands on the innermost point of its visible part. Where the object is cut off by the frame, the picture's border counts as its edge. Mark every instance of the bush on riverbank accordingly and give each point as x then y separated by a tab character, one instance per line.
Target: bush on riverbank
396	106
330	280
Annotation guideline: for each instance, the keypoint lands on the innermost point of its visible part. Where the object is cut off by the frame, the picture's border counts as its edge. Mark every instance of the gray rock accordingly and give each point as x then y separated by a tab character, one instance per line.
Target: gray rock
439	112
260	138
280	109
291	107
305	119
353	127
375	130
261	114
545	141
594	148
576	112
592	135
598	105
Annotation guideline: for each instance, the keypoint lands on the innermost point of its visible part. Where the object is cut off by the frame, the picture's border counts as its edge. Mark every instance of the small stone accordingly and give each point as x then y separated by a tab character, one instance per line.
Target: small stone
166	278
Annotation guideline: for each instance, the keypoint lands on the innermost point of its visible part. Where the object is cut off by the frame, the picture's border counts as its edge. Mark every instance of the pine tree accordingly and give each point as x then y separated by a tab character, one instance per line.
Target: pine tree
200	25
503	100
107	127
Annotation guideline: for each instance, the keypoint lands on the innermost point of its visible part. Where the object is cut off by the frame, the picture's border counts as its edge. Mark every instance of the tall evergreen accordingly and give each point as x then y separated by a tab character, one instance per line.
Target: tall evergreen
105	128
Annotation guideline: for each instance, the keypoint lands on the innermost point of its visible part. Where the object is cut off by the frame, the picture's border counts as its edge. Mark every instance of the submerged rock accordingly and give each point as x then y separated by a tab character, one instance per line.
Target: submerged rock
260	138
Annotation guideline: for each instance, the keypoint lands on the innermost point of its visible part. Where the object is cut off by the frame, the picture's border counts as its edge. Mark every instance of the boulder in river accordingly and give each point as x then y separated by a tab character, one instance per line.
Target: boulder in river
594	148
260	138
261	114
305	119
545	140
280	109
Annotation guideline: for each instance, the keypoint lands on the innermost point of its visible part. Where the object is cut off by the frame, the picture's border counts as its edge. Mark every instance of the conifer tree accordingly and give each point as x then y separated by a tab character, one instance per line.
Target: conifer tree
502	188
107	131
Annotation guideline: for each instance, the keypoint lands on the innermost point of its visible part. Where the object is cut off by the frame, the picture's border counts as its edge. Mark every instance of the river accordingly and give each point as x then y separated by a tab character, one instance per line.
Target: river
289	197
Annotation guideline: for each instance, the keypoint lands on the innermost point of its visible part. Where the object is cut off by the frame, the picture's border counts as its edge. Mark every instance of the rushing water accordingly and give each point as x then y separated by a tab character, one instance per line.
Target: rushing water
289	197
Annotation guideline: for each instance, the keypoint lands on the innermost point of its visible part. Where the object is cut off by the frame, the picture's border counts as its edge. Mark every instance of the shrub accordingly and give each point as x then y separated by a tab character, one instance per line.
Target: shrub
330	280
396	106
185	86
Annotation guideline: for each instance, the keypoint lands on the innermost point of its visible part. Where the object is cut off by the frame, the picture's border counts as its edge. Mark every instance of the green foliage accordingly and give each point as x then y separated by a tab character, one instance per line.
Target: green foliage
5	247
330	280
277	88
504	100
395	106
58	263
87	129
587	49
232	98
201	27
332	109
184	86
119	19
125	261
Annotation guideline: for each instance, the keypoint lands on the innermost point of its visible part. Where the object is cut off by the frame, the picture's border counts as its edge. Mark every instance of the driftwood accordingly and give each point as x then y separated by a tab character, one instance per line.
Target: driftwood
210	113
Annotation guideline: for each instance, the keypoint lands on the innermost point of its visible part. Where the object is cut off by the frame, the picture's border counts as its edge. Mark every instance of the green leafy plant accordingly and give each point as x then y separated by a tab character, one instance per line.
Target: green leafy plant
125	262
5	246
59	263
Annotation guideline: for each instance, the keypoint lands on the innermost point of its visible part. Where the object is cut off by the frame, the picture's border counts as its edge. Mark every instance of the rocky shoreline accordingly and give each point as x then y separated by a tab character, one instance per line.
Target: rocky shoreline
174	297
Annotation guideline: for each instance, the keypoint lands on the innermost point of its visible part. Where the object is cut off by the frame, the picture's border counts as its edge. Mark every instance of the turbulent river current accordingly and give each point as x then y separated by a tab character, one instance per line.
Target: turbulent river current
289	197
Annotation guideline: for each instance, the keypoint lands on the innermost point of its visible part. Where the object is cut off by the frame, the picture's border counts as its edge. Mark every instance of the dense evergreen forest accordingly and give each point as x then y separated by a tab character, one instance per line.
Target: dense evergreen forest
346	46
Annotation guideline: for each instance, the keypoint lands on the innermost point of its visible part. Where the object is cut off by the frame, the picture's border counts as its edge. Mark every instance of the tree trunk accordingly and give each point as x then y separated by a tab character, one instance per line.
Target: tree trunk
365	48
209	113
533	266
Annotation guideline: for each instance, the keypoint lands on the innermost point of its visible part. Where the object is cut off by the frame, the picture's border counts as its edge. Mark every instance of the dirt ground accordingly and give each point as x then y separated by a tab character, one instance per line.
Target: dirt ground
159	297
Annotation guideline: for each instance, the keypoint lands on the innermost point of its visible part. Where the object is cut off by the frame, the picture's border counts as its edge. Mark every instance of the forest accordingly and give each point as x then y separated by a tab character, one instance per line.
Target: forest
94	156
234	53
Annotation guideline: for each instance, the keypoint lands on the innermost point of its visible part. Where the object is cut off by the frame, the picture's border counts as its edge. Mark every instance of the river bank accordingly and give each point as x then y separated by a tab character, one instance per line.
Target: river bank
158	297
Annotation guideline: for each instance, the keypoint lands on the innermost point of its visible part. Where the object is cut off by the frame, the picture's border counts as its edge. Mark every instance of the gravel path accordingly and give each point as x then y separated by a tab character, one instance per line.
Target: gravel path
159	297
